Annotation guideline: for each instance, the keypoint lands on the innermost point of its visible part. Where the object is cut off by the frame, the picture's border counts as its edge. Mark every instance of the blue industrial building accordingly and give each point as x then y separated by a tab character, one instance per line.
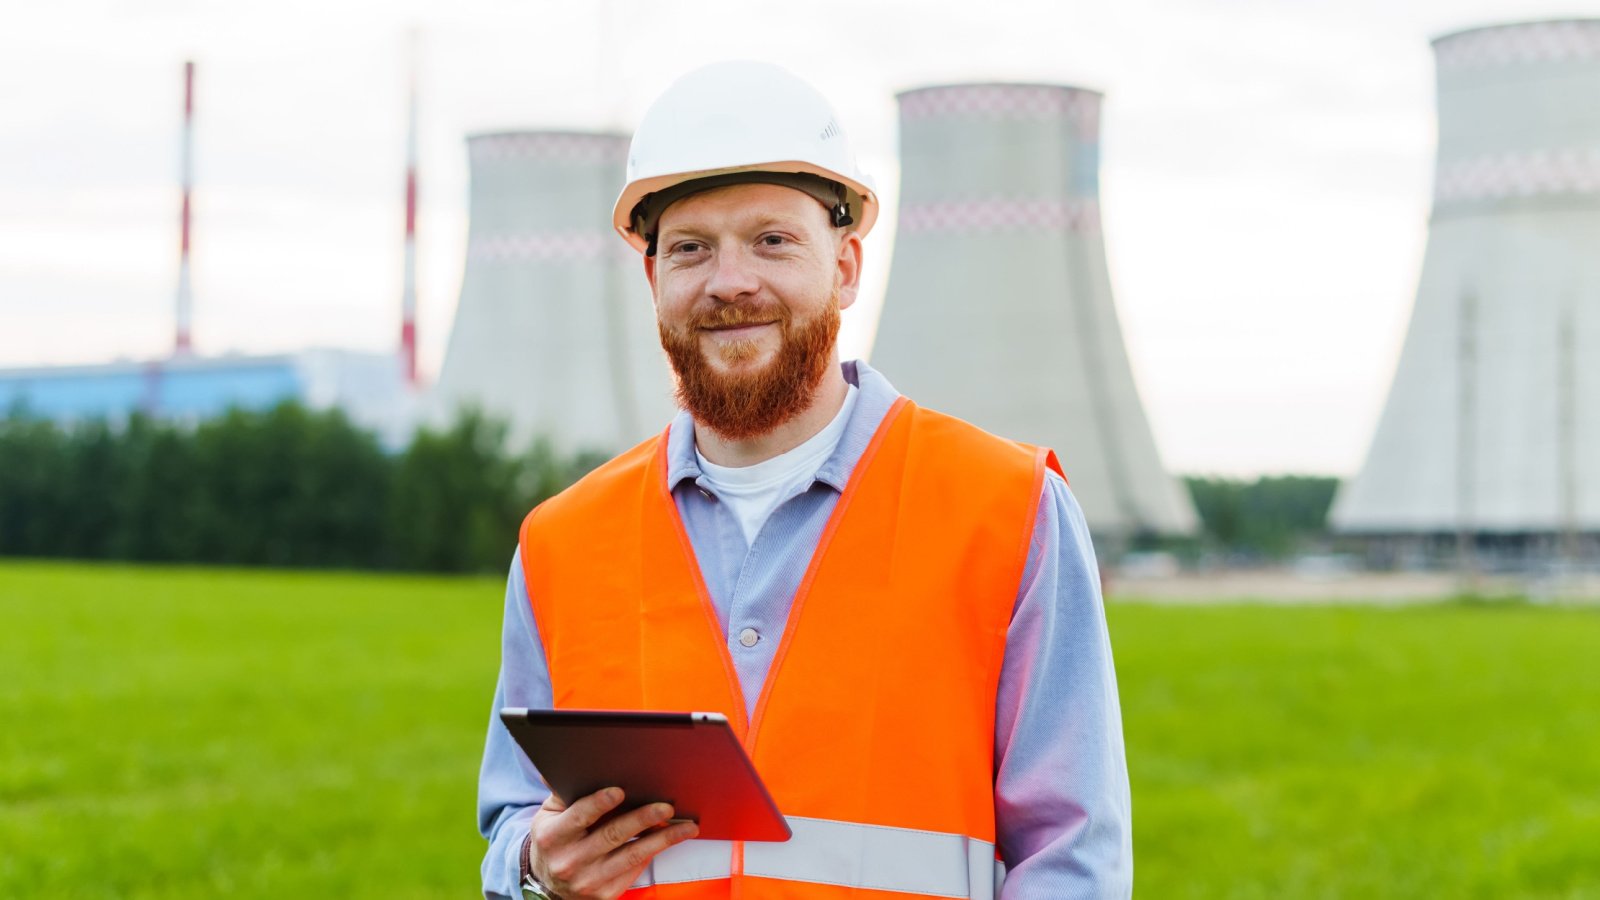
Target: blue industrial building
369	387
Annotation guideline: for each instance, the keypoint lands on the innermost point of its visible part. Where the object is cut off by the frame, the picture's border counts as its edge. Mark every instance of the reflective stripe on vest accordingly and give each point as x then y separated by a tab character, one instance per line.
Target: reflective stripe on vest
689	861
847	854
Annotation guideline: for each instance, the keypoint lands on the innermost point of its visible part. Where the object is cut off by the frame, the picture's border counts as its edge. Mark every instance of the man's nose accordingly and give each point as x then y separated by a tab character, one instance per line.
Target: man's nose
733	279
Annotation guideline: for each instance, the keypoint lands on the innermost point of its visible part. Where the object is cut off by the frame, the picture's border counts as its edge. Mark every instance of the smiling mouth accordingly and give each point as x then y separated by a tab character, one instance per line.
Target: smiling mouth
734	329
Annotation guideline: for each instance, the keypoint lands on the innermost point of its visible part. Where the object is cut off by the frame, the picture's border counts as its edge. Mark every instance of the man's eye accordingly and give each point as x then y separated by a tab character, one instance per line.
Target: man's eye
772	240
687	247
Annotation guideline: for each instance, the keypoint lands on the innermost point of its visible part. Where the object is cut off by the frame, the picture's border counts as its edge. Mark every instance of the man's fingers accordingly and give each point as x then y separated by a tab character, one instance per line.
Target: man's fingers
578	818
626	862
618	831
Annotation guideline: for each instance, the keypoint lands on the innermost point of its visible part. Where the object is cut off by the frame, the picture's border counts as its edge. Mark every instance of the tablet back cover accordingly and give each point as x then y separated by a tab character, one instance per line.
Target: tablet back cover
691	760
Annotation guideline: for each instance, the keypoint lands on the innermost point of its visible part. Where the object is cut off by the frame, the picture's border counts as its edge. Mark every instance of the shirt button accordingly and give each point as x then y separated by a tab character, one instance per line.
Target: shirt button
708	495
749	637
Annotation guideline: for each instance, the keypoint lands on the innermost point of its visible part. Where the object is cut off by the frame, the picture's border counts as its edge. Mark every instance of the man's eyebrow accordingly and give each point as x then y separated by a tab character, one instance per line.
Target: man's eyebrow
682	228
765	220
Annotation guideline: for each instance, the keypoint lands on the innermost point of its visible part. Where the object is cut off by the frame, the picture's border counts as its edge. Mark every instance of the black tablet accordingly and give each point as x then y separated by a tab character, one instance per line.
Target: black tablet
692	760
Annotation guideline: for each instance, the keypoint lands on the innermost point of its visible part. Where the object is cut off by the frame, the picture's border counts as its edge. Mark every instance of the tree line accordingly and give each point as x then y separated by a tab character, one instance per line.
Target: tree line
285	486
1268	518
289	486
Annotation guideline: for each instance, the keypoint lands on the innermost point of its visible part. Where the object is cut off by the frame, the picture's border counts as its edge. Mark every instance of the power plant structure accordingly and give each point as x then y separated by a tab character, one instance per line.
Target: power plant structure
1490	437
555	333
999	307
408	284
182	343
373	389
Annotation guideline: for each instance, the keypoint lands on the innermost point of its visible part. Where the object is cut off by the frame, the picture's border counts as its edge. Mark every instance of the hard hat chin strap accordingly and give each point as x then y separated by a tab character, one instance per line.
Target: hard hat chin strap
833	196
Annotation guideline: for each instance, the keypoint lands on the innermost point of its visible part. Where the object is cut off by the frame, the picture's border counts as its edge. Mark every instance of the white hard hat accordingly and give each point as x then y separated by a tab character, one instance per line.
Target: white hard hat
735	122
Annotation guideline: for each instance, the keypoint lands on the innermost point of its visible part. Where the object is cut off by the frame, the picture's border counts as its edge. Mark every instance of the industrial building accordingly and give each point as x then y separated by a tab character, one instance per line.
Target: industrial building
999	307
1491	431
555	333
375	390
369	387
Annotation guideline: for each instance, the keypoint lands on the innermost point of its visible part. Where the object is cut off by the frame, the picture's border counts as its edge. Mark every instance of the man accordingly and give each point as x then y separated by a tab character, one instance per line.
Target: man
899	613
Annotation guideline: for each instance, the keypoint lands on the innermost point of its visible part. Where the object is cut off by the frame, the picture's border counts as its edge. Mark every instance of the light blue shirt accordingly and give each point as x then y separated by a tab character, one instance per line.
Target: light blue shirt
1062	809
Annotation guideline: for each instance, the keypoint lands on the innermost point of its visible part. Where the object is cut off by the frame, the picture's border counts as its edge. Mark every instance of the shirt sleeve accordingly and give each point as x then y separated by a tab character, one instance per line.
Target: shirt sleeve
509	788
1063	813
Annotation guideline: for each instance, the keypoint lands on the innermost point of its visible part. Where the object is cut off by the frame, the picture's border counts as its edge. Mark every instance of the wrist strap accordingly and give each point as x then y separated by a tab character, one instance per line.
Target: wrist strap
526	867
531	888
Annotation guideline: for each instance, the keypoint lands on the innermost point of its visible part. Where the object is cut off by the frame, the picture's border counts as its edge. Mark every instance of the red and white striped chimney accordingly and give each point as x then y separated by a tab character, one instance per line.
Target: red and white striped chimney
182	345
408	294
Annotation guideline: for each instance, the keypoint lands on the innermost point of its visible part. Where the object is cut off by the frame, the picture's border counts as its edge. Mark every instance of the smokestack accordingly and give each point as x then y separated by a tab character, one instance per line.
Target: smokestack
408	293
182	345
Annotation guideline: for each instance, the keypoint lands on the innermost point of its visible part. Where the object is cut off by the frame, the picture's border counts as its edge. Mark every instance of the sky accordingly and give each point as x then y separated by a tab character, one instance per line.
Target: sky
1265	182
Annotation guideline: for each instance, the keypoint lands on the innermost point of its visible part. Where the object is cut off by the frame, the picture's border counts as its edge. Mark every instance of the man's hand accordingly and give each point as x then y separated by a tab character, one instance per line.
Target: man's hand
577	861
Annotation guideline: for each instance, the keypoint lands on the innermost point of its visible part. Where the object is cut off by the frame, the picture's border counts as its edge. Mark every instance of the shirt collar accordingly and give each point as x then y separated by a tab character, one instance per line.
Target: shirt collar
872	404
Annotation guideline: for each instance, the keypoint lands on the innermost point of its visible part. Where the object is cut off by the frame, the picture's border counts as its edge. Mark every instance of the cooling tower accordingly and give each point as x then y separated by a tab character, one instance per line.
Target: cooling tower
1492	424
999	306
554	332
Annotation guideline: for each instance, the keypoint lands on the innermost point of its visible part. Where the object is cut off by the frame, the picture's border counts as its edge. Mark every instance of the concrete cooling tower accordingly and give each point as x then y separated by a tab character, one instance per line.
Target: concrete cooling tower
999	306
554	332
1492	424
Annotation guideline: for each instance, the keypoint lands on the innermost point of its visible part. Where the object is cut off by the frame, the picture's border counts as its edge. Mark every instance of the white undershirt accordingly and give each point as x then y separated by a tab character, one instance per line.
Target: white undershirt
753	492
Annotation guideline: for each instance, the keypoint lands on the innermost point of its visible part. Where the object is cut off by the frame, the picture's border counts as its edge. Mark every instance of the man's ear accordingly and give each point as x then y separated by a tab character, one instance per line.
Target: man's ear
650	275
849	268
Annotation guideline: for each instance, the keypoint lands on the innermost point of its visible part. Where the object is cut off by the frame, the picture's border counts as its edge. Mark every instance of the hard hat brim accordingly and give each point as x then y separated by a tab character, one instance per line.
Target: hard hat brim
635	191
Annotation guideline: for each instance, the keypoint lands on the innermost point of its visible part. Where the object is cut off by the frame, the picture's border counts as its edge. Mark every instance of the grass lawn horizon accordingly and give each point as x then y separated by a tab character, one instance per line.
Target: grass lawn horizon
187	732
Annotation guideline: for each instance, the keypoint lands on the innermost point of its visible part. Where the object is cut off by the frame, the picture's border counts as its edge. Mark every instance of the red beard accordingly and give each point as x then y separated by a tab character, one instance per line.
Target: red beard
746	404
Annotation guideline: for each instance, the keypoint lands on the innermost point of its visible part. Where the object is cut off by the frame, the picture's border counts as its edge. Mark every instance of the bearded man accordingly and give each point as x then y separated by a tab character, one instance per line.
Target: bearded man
899	613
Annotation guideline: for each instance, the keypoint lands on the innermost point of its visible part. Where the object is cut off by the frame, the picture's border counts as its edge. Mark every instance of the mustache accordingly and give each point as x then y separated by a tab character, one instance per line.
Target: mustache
735	316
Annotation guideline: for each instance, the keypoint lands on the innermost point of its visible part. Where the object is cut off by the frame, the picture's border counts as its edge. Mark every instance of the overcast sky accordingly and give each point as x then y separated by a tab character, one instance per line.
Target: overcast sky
1265	183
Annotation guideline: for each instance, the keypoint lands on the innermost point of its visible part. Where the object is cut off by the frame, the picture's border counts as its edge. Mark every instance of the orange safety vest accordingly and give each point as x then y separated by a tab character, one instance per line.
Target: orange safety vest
874	731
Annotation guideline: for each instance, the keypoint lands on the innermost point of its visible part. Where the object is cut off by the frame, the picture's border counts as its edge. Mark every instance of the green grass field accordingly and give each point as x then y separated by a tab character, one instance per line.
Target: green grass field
199	732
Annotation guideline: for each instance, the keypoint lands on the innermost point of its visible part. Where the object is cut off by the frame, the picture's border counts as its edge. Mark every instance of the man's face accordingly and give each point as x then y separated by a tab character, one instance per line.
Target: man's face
748	282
